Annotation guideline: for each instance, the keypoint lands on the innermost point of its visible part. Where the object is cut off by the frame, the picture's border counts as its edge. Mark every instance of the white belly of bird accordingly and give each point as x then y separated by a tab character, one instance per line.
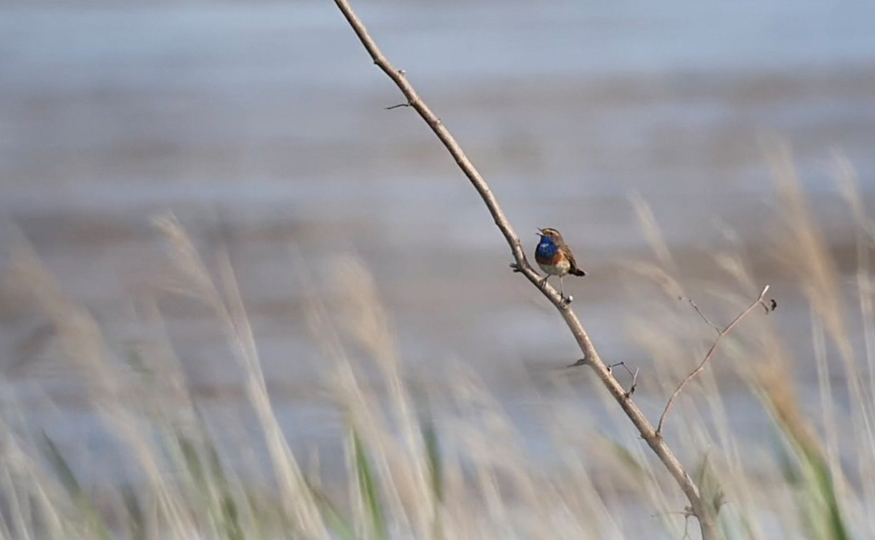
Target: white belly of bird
559	269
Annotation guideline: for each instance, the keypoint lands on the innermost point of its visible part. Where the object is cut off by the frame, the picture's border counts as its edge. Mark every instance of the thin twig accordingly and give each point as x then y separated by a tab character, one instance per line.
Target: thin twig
720	333
699	311
645	428
687	513
634	384
633	375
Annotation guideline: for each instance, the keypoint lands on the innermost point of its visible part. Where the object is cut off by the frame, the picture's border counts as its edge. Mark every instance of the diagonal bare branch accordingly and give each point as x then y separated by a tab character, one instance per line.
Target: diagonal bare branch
603	372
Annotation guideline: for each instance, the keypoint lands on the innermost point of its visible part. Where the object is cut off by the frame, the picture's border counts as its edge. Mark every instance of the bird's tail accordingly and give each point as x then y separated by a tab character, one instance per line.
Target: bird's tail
577	272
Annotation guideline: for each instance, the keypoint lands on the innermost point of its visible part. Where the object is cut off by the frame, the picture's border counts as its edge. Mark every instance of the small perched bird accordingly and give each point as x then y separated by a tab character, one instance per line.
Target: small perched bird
555	258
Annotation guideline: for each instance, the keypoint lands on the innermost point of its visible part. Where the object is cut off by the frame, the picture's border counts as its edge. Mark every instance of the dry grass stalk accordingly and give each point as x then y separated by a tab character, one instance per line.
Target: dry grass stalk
297	499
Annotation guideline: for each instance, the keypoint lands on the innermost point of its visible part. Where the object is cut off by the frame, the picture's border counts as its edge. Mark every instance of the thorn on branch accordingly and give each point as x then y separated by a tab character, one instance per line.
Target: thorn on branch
581	362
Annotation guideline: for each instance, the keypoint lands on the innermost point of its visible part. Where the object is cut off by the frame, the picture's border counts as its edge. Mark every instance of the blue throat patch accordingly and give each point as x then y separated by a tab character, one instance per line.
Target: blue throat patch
546	250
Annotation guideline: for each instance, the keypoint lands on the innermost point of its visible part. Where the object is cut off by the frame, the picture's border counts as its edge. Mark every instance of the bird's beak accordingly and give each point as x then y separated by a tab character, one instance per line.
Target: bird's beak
540	232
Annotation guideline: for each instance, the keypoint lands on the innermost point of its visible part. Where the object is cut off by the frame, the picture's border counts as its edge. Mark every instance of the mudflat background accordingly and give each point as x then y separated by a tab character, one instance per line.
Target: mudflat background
262	127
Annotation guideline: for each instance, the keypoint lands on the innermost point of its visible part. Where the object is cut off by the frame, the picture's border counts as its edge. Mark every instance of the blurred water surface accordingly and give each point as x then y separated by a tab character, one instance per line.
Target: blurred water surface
263	127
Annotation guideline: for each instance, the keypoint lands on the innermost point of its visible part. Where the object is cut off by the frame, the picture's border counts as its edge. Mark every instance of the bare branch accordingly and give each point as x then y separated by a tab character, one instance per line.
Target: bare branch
760	301
591	357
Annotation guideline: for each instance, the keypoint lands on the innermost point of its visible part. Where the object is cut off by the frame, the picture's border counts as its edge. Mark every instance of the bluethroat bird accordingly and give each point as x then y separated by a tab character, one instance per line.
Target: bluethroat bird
555	258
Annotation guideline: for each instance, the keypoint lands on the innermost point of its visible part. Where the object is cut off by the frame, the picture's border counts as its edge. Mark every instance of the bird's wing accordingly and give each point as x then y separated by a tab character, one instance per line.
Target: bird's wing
567	252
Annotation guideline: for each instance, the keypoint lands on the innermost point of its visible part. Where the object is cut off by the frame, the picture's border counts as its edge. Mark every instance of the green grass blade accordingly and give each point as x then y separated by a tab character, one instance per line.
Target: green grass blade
342	528
834	522
137	519
93	520
433	456
368	489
